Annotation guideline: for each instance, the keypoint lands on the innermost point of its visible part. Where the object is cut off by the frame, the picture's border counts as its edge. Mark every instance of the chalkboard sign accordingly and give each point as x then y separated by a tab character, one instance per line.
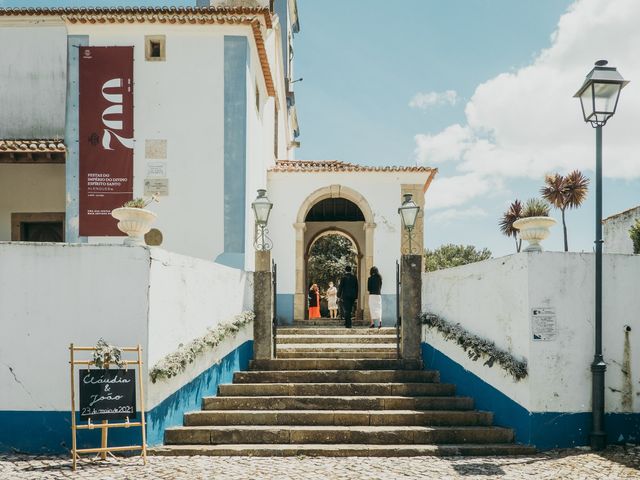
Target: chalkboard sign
107	394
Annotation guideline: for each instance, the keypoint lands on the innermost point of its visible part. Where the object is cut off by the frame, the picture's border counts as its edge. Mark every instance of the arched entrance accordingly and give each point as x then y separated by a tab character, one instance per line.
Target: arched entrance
346	211
327	254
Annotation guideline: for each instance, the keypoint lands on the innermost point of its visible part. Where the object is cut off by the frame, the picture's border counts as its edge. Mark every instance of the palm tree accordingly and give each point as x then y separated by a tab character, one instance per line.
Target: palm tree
513	213
565	193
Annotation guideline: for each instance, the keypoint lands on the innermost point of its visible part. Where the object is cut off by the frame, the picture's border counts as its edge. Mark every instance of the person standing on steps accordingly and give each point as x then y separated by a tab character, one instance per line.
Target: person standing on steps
374	285
332	300
348	292
314	302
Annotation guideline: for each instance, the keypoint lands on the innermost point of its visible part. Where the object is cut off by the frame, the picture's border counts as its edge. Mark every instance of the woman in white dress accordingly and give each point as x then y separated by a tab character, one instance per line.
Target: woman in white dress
332	300
374	284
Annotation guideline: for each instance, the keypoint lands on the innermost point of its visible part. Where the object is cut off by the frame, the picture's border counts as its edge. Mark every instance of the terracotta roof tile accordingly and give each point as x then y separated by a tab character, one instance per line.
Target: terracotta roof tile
33	146
140	14
172	15
338	166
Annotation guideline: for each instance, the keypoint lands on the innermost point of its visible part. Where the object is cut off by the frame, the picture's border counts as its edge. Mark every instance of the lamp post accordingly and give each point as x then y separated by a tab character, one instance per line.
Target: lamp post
409	213
599	98
262	208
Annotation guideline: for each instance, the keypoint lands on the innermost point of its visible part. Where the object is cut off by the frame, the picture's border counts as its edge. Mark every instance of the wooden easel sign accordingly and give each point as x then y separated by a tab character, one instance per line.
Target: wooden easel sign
107	399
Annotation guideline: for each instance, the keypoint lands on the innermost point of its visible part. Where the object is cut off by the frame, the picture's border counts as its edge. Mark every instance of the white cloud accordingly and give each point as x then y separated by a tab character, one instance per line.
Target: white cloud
458	190
425	100
451	215
445	146
526	123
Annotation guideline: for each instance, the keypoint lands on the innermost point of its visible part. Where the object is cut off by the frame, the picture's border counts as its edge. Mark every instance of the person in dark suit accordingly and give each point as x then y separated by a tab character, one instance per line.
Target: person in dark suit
348	292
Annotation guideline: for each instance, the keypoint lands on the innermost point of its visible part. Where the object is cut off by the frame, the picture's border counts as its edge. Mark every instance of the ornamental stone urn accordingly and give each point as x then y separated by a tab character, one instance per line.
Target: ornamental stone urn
135	222
534	230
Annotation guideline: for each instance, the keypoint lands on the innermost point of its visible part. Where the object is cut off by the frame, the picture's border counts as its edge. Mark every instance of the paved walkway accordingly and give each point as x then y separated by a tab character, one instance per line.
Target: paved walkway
581	464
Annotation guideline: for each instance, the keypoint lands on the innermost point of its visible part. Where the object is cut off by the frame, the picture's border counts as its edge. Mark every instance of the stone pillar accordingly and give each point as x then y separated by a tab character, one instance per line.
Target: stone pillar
300	297
262	307
411	304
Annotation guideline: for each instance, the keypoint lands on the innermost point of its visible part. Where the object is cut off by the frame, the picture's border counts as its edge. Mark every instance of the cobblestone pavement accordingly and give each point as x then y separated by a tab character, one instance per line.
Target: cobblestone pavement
614	463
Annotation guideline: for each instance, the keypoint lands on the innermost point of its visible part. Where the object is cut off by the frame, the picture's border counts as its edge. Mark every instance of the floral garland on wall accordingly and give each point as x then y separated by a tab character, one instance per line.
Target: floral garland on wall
176	362
475	346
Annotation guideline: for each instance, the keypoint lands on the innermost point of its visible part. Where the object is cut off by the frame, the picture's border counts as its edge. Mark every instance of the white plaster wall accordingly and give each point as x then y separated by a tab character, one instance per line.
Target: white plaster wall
494	298
259	145
616	231
186	296
289	190
560	374
489	299
29	188
54	294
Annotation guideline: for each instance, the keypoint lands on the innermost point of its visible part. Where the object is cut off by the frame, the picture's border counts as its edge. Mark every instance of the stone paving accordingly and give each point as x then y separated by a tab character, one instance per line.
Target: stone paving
614	463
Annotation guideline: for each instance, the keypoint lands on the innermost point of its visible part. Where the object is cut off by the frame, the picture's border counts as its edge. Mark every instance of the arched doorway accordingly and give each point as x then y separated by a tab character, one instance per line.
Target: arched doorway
326	257
339	209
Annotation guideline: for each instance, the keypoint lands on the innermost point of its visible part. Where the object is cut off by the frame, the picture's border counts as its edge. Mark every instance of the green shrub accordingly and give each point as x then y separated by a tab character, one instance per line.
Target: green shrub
535	208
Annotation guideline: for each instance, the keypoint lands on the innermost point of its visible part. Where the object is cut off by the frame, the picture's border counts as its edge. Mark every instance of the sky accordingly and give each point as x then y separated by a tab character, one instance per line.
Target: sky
481	90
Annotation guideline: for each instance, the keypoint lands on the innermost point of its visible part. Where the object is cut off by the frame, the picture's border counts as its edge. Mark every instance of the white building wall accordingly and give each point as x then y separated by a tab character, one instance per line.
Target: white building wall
493	299
616	231
29	188
181	100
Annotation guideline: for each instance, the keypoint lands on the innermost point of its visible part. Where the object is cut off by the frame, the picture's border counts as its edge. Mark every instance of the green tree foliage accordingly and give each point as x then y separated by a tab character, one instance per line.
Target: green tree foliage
328	257
634	233
447	256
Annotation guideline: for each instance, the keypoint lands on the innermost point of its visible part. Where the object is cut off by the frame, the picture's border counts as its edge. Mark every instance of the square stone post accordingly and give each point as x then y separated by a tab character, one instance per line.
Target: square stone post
411	304
262	307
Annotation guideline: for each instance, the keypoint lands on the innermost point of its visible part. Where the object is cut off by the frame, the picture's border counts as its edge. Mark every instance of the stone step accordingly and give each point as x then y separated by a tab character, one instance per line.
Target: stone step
328	322
352	339
289	402
339	417
336	376
338	347
337	389
386	354
336	331
344	450
376	435
333	364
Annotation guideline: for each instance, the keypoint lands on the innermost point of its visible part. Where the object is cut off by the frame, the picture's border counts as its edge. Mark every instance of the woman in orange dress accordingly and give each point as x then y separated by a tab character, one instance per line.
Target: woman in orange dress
314	302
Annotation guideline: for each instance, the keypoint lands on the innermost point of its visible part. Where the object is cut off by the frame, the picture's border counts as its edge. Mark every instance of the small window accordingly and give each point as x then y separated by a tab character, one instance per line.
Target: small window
154	48
257	98
37	227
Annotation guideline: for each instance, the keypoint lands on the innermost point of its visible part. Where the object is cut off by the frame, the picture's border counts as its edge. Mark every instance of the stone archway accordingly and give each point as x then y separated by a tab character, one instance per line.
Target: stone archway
368	226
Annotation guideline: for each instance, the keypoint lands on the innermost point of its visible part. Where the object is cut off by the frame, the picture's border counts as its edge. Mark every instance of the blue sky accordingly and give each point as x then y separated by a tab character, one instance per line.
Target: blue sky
363	61
479	89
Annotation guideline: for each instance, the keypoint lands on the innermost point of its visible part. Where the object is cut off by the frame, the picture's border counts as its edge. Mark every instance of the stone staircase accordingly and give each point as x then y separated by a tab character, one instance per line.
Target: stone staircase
338	392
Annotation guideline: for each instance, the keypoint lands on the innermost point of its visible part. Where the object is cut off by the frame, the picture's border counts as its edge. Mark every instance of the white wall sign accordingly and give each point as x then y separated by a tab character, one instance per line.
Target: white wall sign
156	185
156	169
544	326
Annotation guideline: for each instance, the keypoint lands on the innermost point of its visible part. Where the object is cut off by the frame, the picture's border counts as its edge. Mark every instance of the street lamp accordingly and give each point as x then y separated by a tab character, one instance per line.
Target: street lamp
262	208
409	213
599	98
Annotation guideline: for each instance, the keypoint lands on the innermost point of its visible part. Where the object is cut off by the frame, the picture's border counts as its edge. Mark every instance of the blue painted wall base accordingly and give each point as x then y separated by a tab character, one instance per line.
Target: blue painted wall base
544	430
49	432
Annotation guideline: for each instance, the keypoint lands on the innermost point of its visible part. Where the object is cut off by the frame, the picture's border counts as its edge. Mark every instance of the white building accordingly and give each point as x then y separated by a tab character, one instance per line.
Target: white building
209	110
616	231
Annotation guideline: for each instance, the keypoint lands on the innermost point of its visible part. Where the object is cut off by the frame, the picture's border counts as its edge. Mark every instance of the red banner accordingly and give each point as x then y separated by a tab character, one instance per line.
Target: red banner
106	136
